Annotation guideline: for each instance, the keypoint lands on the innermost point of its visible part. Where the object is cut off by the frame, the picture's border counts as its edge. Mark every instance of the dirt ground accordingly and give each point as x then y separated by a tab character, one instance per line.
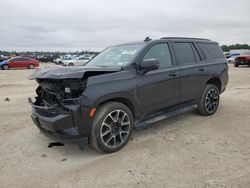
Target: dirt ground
187	150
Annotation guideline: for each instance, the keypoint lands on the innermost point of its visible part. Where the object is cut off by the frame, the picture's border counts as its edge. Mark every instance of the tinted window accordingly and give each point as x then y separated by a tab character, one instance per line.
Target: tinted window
24	59
20	59
184	53
13	59
160	52
17	59
212	51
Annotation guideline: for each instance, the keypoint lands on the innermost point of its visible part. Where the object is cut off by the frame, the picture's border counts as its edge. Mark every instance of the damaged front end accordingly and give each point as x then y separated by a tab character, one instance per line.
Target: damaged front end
57	109
58	93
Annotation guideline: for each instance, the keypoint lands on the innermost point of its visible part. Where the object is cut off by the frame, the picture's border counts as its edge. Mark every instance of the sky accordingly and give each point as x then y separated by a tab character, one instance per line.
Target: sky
75	25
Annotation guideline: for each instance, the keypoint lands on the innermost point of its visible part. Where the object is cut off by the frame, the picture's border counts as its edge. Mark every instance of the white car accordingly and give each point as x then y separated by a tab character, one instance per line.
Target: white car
231	59
78	61
57	60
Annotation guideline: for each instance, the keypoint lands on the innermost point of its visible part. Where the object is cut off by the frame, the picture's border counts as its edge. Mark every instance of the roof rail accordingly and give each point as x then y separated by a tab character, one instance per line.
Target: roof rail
185	38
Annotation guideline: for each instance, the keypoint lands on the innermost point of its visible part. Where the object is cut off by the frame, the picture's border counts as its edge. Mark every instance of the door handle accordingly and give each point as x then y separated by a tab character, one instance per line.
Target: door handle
201	69
173	74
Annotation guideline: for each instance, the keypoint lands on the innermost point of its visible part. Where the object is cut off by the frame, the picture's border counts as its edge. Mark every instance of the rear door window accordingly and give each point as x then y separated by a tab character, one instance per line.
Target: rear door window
184	53
162	53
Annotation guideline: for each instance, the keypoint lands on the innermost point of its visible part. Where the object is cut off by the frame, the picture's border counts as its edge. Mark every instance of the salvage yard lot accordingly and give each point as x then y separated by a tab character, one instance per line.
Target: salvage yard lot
187	150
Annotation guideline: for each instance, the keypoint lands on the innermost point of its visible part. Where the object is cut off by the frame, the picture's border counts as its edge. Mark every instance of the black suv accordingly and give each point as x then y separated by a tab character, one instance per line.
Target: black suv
126	85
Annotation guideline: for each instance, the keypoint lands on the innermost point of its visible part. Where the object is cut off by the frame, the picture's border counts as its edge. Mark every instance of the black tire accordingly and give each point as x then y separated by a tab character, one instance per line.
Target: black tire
71	64
31	66
5	67
236	65
209	101
107	135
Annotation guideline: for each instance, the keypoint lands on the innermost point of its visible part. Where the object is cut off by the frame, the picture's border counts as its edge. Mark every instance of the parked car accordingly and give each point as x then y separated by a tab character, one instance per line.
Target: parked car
90	56
242	60
231	57
19	62
58	61
47	58
129	85
77	61
235	53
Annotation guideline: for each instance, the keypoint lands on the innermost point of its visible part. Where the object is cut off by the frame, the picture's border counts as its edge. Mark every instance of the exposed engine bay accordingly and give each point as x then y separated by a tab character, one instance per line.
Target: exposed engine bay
63	84
52	92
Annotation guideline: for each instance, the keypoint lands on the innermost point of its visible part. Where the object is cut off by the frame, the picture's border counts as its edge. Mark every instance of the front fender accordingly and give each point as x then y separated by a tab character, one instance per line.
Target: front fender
109	86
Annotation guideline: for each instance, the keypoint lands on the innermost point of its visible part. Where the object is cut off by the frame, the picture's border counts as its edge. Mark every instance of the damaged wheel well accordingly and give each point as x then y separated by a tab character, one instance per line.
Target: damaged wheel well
124	101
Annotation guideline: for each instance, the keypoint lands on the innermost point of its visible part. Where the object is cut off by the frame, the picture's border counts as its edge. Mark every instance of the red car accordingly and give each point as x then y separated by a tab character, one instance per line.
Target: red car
242	60
19	62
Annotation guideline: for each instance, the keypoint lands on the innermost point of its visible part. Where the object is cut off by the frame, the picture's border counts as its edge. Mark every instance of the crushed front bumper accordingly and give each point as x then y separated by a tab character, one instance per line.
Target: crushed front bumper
64	124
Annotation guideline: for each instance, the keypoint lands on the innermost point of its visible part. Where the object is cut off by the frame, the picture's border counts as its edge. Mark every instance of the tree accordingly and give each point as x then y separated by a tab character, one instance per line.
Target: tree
226	48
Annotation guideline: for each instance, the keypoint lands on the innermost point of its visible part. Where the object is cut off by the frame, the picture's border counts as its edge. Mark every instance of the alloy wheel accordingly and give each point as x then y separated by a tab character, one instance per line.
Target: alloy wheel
5	67
212	100
115	128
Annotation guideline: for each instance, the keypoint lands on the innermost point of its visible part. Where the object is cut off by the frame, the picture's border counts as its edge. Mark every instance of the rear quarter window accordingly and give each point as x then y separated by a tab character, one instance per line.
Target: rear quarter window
212	51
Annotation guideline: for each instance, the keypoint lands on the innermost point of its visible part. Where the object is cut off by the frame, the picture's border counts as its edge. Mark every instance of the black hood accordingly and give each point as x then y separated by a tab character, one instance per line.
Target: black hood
68	72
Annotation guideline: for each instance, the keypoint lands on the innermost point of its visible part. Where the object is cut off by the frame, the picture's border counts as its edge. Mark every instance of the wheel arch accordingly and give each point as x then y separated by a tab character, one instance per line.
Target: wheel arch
122	100
215	81
31	64
6	64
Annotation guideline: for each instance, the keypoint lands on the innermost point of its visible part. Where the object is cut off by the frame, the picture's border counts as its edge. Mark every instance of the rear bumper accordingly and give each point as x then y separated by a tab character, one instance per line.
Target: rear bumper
68	125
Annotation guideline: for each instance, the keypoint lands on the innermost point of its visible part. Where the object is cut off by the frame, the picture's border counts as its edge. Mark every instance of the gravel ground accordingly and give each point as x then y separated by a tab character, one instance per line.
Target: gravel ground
187	150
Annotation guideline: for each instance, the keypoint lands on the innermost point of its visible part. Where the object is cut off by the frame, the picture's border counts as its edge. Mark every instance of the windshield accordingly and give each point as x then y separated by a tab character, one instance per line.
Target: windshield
116	56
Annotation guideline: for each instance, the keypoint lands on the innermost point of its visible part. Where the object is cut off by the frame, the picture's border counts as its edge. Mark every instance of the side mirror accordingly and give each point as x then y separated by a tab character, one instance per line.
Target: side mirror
148	65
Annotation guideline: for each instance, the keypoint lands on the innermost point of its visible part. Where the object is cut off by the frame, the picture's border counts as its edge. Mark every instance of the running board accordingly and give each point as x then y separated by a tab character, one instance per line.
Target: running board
164	115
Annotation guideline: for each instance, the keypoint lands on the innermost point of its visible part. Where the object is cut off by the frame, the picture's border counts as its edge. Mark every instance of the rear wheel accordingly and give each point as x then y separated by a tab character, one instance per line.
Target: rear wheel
236	65
71	64
5	67
209	101
112	127
31	66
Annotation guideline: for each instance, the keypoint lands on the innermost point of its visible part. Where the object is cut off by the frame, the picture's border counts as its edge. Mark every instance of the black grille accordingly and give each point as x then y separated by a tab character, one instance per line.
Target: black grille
50	98
48	112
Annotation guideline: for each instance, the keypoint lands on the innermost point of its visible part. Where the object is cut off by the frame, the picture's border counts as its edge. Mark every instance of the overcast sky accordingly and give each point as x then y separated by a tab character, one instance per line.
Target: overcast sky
94	24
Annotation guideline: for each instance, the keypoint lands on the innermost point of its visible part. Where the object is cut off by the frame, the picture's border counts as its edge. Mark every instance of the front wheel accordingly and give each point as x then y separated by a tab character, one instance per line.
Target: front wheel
236	65
71	64
5	67
31	66
112	127
209	101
